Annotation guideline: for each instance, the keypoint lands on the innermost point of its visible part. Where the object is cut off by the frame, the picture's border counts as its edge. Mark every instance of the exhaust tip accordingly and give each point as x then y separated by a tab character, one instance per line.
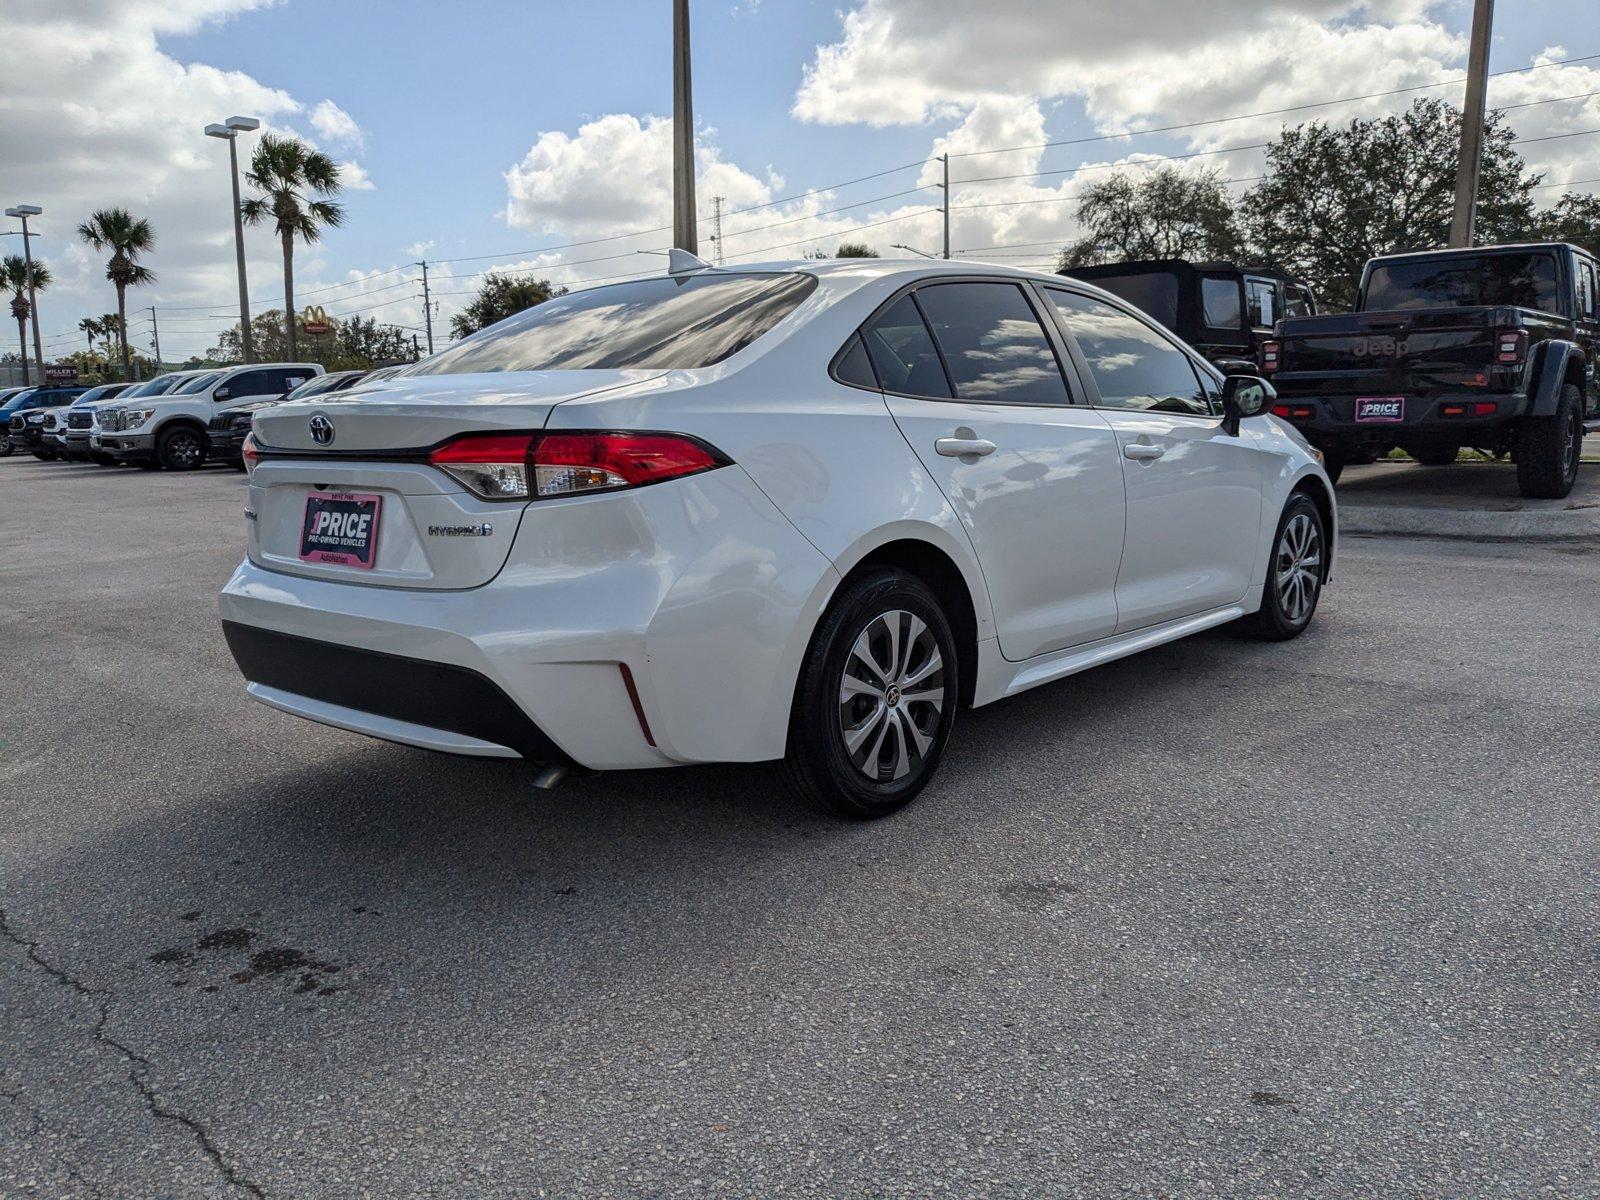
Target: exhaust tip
549	777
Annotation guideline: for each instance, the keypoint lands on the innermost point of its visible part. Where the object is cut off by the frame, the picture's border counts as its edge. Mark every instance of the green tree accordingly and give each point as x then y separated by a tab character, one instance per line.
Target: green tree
127	237
500	296
110	331
1574	218
1336	196
297	182
14	274
855	250
1163	213
355	343
91	330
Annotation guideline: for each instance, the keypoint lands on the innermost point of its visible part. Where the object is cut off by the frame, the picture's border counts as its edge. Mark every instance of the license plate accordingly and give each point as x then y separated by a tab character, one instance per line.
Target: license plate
341	528
1380	408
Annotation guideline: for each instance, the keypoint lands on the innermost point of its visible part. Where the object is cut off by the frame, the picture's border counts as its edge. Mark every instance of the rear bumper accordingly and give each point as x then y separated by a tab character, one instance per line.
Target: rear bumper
227	445
1431	418
411	699
698	592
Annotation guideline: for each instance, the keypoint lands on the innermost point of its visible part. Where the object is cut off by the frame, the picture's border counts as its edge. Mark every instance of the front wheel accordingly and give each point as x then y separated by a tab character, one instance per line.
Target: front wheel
181	448
876	699
1295	572
1548	449
5	445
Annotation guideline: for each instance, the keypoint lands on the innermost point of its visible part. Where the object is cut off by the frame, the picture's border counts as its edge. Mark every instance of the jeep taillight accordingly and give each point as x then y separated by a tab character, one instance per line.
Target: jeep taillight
1510	346
542	466
1269	356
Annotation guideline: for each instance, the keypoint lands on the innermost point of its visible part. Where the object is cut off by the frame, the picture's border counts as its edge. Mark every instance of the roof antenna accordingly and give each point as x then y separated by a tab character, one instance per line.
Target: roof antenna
681	262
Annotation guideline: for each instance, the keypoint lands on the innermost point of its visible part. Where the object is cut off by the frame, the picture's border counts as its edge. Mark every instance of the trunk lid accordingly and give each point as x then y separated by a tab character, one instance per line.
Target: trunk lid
1401	352
430	532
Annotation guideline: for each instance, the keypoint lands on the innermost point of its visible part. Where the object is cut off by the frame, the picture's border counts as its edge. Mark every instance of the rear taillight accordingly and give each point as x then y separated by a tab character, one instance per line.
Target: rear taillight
250	453
542	466
1510	346
1269	356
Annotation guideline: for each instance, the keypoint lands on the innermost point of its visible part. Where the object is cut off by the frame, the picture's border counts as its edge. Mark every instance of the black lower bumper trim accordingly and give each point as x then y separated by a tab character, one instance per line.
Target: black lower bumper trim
437	695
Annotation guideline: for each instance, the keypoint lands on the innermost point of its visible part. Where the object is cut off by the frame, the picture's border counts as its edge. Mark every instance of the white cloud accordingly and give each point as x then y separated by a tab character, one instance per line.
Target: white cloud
354	176
116	121
335	125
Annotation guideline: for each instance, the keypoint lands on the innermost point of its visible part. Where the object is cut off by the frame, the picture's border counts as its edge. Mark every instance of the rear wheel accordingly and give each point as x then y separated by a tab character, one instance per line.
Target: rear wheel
5	445
181	448
1434	456
1295	572
1548	449
876	699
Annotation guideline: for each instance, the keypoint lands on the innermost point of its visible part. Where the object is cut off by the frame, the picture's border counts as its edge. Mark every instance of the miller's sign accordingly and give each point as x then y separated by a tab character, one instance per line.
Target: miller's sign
60	373
315	319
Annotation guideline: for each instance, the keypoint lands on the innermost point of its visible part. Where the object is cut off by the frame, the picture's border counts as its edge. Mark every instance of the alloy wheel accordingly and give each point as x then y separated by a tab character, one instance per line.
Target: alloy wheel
1298	567
184	450
891	696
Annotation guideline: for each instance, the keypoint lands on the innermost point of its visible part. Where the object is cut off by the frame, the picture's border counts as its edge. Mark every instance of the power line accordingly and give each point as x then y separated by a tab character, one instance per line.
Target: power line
1277	112
1111	166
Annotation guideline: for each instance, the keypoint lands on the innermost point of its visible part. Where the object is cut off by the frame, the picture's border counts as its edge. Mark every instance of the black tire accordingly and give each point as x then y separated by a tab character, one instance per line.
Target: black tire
1434	456
181	448
1286	611
1548	448
819	766
5	445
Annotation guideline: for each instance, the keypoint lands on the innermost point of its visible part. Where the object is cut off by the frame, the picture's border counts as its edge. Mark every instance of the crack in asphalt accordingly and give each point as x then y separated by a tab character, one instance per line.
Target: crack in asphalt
138	1065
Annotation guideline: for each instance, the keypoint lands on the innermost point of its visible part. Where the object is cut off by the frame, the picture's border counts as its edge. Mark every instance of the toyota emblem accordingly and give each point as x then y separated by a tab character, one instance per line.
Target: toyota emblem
321	430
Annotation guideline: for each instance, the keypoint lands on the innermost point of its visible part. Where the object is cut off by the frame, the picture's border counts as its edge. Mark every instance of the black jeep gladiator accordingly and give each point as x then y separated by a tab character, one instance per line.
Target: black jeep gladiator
1492	347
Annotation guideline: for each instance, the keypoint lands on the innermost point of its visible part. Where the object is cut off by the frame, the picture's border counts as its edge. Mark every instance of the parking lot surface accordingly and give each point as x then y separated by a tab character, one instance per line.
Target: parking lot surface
1227	918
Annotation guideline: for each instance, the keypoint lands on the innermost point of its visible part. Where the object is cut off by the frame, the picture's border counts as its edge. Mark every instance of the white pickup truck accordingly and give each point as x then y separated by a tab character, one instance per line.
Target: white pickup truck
169	430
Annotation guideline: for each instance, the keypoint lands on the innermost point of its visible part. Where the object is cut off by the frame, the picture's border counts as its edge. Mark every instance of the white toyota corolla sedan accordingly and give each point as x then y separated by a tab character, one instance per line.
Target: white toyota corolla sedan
797	511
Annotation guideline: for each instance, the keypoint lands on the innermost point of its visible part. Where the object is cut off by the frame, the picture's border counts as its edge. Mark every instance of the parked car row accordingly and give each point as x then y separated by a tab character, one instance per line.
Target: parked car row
177	421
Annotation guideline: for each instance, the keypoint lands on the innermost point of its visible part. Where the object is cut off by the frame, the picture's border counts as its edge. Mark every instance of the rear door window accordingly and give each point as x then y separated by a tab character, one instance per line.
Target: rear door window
1133	363
1262	302
994	347
903	353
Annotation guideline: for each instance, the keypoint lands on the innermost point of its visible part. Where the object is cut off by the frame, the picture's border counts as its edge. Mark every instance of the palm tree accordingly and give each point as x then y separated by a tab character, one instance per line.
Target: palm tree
91	330
14	274
296	180
110	329
127	237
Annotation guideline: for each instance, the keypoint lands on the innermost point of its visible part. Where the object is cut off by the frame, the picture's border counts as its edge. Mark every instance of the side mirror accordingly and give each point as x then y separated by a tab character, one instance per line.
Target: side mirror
1244	396
222	393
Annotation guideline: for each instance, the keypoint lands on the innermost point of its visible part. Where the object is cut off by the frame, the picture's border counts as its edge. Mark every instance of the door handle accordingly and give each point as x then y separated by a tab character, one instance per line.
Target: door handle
1142	451
960	447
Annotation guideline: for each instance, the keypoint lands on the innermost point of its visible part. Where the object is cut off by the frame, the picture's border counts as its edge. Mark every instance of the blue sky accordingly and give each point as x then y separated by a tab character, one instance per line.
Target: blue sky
434	105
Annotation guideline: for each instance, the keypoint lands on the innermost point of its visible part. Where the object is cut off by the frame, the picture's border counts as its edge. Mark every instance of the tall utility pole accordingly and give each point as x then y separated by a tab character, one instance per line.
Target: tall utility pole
716	225
23	212
427	304
155	337
683	222
945	159
229	132
1461	223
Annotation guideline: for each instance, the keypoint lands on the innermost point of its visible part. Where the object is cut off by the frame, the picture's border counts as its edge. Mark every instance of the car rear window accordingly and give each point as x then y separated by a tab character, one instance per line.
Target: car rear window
660	324
1465	281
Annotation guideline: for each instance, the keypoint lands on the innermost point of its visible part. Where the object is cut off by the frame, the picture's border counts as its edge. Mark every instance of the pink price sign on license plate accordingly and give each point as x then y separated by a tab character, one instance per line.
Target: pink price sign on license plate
1380	408
341	528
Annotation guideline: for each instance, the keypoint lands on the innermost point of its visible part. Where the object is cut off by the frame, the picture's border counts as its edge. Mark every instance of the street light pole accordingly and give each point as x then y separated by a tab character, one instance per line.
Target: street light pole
683	222
229	131
23	212
1463	219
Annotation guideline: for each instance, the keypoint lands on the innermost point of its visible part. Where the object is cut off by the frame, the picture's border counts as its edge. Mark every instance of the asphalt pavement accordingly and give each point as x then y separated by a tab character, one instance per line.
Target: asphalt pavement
1225	919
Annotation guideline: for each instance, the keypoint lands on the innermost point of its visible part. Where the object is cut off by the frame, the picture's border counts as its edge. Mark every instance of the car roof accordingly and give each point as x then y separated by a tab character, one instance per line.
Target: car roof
1508	247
